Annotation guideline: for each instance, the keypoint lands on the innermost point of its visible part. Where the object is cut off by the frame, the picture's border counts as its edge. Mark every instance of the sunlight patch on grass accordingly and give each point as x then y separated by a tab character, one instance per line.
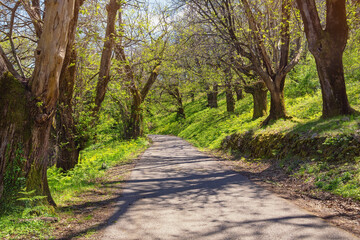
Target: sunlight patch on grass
92	168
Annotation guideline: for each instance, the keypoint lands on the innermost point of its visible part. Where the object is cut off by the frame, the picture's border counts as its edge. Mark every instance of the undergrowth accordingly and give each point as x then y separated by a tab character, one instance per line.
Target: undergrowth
19	218
207	128
92	166
341	179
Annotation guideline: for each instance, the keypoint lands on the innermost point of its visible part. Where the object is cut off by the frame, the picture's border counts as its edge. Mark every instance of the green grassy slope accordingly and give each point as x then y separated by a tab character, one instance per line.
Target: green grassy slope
206	127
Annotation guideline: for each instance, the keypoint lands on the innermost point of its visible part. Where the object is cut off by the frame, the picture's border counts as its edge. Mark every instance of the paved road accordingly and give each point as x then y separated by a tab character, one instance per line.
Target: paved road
177	192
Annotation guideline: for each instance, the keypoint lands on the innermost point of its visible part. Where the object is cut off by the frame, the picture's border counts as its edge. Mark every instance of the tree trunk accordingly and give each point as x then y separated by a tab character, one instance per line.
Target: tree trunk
277	102
45	91
192	96
27	113
327	45
181	112
331	74
259	93
133	130
178	97
230	101
15	129
277	105
212	96
68	151
239	92
173	91
104	73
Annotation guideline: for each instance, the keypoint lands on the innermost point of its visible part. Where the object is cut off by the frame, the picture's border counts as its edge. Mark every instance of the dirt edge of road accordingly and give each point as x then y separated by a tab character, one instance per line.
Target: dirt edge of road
338	211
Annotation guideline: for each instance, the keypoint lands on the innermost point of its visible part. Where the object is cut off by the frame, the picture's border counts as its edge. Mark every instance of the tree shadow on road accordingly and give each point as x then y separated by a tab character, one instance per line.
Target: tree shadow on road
196	187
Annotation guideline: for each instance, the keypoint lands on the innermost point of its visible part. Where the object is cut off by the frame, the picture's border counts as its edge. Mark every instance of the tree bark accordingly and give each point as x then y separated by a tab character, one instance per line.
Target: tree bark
192	96
133	130
230	101
15	127
68	150
327	46
259	92
42	94
239	92
174	91
212	96
44	90
3	67
104	73
181	110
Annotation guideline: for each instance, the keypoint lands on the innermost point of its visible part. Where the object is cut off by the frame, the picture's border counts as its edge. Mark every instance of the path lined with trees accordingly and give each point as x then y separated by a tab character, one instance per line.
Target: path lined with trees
177	192
82	72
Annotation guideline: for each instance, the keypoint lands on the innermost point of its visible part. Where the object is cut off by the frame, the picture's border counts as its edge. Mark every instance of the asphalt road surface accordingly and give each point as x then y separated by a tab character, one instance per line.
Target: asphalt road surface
177	192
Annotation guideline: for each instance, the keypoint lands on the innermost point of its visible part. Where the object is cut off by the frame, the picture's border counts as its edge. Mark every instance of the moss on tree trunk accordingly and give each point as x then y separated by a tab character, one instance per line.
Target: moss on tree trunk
259	92
15	127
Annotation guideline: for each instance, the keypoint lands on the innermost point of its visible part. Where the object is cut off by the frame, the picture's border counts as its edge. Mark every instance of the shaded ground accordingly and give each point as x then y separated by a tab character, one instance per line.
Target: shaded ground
339	211
82	218
176	192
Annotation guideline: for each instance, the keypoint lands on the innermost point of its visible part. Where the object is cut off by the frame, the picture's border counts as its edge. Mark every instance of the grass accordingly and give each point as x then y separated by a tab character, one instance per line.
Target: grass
92	167
87	175
341	179
207	128
12	229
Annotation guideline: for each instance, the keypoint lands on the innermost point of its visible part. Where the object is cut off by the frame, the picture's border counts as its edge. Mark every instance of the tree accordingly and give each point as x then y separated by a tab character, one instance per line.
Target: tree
68	152
28	106
104	72
261	35
327	45
138	78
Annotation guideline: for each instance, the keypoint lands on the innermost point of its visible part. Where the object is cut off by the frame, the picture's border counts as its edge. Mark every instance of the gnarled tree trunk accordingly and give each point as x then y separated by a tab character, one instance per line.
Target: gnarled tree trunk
68	151
327	45
36	101
259	92
45	91
15	127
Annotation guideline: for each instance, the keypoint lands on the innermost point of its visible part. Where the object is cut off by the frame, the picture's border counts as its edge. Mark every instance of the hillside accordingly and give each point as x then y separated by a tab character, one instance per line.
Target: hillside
326	149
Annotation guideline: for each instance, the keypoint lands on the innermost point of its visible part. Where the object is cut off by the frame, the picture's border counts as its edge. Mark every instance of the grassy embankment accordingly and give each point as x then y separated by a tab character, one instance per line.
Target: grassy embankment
207	128
66	188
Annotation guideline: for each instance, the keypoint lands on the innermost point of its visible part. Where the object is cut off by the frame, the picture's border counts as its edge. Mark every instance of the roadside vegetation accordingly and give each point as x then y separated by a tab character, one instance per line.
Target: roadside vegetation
23	218
269	80
208	128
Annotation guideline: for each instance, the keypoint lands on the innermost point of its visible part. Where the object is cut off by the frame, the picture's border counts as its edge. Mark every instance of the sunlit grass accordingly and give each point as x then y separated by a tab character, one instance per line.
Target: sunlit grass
207	128
93	163
87	175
